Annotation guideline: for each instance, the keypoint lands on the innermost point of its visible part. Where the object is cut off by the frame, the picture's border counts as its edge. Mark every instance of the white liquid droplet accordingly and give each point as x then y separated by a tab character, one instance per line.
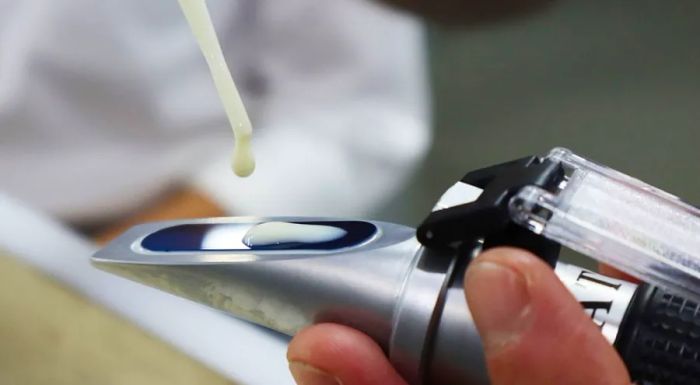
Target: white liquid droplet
272	233
199	19
243	160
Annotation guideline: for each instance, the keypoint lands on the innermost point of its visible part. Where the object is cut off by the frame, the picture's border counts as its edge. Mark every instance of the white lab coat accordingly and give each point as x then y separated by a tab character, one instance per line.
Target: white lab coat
106	104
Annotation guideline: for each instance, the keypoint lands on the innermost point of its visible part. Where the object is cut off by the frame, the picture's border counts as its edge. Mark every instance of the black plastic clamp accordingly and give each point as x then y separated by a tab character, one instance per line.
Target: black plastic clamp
488	217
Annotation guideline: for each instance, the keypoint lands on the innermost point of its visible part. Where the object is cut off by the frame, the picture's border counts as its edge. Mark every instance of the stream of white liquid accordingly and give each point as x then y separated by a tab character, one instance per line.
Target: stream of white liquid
197	15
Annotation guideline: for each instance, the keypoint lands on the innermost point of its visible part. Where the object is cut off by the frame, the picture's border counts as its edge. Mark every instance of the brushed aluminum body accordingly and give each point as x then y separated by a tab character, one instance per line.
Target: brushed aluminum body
408	299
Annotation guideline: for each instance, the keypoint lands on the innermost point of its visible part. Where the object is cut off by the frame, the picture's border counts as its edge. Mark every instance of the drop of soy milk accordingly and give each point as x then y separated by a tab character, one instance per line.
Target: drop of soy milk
274	233
197	14
243	161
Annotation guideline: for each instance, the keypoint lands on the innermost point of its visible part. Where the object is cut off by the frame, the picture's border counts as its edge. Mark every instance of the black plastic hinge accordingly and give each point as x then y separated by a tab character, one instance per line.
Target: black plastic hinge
488	218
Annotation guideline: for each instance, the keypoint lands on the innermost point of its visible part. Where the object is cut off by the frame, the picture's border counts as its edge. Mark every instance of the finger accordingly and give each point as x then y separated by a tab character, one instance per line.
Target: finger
329	354
615	273
534	332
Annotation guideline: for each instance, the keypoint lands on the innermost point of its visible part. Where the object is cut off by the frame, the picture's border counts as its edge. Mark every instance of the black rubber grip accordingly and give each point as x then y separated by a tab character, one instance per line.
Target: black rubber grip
659	339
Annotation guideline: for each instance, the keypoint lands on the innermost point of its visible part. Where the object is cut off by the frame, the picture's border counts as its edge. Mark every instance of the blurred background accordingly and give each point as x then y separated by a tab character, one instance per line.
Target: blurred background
615	81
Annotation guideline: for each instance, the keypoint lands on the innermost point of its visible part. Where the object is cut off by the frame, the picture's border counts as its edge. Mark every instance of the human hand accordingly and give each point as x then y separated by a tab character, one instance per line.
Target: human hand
533	330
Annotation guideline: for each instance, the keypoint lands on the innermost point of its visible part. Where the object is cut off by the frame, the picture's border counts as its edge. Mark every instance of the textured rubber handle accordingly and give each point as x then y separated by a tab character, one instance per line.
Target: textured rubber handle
660	339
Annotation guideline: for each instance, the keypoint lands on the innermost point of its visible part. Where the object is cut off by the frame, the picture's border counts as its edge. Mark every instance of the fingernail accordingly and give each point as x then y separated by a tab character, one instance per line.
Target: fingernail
305	374
500	303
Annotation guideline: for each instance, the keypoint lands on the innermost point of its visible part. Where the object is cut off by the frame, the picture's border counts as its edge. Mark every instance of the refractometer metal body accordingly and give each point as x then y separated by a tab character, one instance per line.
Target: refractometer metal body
402	286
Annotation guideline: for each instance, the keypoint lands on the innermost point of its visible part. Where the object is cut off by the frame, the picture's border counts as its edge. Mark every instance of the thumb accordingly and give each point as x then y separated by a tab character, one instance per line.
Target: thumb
534	331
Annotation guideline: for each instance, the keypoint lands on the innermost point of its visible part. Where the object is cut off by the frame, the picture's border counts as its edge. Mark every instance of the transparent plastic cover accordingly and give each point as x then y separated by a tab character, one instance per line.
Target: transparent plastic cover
618	220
